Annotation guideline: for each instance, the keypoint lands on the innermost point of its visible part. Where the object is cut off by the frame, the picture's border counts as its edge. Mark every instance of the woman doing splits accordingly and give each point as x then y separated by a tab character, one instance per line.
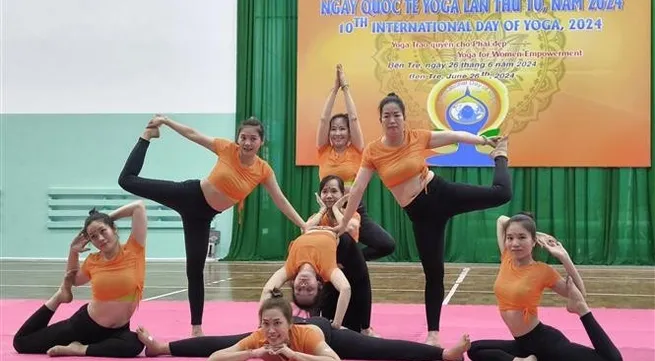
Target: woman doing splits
312	261
100	328
347	344
340	143
429	200
349	258
236	173
519	286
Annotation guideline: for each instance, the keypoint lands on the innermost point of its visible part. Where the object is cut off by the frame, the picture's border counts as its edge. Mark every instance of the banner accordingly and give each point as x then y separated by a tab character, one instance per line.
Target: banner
567	80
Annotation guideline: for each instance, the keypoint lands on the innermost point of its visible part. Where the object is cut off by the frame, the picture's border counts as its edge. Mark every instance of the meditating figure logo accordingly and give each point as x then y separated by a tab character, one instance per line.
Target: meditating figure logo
470	103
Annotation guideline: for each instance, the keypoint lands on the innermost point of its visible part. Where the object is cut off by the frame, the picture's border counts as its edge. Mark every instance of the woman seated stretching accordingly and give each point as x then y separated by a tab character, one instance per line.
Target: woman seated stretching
347	344
312	260
101	327
350	259
519	287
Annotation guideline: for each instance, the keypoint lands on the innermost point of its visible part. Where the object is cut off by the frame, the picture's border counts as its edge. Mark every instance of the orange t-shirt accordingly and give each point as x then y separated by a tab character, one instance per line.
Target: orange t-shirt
398	164
344	165
521	288
325	221
318	248
119	279
231	177
303	338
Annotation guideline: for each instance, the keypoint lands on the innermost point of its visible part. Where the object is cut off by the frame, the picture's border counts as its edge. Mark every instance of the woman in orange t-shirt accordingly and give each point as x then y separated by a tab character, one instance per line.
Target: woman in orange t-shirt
429	200
236	173
331	201
279	337
519	286
340	143
100	328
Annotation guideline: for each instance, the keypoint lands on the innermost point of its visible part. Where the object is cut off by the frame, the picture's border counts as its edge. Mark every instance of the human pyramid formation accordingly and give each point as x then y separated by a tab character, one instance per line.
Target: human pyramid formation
325	267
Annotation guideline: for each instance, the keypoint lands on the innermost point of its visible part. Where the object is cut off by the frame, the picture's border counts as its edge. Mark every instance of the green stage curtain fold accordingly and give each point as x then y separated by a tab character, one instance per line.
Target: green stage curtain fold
602	216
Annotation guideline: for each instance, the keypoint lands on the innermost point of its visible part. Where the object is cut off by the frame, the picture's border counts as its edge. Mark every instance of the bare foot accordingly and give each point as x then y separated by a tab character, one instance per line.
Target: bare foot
153	347
576	302
529	358
196	331
456	353
370	332
433	339
501	149
150	133
73	349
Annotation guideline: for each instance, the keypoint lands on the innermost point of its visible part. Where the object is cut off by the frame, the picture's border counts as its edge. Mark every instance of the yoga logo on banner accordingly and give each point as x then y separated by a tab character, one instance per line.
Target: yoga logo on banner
567	80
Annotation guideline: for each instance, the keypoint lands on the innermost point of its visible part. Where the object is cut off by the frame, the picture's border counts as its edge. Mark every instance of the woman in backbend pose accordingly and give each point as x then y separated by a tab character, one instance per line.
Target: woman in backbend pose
236	173
428	200
100	328
340	143
347	344
519	286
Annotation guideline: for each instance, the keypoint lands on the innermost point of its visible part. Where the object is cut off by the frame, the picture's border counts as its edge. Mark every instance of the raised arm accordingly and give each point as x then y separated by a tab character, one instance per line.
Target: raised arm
500	232
356	193
447	137
277	280
558	251
136	210
186	131
356	136
282	203
340	282
79	245
323	132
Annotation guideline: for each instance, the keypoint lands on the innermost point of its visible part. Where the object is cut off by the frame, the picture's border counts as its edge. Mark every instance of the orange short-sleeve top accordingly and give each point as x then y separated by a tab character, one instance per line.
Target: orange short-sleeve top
344	165
318	248
118	279
521	288
325	221
395	165
302	338
233	178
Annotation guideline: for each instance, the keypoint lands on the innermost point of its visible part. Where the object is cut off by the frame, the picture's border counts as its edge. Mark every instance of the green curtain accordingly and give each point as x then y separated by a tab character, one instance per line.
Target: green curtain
603	216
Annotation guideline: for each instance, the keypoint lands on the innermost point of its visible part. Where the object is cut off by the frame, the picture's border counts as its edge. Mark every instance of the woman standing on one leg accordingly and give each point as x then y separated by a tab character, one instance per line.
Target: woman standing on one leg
358	317
519	286
429	201
100	328
236	173
340	143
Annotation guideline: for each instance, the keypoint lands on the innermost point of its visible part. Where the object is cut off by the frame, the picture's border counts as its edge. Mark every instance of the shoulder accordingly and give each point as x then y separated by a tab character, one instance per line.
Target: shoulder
353	150
421	135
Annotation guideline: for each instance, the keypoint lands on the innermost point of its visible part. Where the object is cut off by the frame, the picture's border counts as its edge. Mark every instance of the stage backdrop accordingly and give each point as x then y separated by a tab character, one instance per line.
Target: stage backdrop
567	79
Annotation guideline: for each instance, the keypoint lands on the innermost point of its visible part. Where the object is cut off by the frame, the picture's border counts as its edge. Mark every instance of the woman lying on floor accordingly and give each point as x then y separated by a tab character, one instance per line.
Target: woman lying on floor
101	327
325	340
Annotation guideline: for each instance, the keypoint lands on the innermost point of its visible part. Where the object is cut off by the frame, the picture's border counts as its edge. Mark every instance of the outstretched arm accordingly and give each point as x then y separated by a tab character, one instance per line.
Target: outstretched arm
356	136
356	193
276	281
447	137
340	282
136	210
282	203
190	133
323	132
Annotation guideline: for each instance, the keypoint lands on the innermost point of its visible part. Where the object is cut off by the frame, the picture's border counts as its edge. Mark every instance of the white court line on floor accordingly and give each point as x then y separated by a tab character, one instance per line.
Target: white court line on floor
183	290
458	281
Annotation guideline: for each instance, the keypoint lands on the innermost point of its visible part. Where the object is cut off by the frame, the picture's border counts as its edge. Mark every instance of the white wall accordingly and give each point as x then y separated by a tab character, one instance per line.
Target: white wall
119	56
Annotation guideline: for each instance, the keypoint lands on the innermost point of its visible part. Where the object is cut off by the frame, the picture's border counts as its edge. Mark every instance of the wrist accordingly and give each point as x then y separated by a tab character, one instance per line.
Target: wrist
484	140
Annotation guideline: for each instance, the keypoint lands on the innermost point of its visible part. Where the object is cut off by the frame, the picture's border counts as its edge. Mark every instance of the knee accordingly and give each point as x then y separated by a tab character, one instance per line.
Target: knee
124	181
22	346
505	194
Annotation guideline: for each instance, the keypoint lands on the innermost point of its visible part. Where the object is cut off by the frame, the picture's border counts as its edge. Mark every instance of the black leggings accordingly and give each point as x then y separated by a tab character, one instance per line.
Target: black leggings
377	240
187	199
358	314
549	344
346	343
430	211
36	337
